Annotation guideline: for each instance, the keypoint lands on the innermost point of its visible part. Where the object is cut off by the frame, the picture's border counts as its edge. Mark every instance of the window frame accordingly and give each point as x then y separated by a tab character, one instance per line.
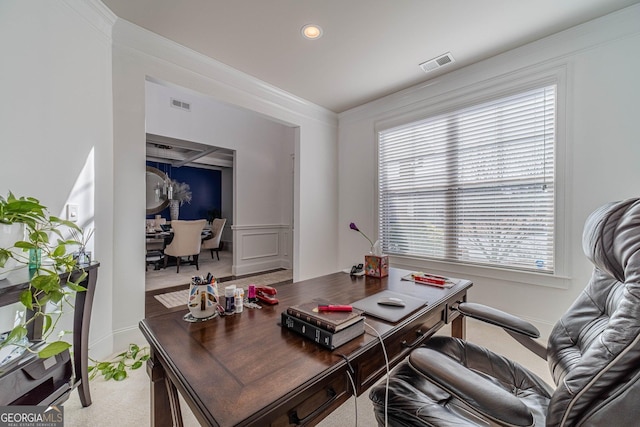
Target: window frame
476	94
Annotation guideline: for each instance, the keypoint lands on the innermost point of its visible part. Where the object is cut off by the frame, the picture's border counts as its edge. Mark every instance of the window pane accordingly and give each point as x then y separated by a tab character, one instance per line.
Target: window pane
475	185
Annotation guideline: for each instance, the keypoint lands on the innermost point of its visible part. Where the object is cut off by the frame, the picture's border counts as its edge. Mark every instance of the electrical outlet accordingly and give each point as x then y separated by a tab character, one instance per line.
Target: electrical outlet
72	213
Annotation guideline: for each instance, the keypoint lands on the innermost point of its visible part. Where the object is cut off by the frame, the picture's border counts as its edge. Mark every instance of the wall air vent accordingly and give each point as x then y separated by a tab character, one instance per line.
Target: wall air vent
176	103
438	62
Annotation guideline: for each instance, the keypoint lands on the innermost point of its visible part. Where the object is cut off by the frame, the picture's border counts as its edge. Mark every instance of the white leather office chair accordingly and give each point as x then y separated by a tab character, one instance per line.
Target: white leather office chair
213	244
186	241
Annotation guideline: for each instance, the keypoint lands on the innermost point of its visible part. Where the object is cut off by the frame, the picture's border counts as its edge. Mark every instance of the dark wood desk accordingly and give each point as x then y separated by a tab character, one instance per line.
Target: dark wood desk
247	370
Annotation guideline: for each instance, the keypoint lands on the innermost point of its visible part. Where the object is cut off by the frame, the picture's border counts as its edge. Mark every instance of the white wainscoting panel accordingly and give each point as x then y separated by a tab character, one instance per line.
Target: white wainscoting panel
261	247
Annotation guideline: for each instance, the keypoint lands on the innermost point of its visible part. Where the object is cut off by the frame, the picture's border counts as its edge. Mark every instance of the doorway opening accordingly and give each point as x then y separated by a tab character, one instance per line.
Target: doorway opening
202	176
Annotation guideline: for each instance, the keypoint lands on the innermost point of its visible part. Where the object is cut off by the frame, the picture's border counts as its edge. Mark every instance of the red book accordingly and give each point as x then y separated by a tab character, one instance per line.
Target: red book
430	280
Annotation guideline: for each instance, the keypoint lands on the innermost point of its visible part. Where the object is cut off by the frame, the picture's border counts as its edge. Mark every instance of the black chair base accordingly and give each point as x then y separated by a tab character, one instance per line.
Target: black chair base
179	261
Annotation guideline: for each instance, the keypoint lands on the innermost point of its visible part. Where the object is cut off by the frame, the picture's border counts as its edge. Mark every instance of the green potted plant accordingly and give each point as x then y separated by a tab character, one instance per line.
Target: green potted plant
41	235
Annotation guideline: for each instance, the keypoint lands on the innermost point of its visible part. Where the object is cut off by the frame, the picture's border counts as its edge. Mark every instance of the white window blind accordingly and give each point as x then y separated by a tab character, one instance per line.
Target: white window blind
474	185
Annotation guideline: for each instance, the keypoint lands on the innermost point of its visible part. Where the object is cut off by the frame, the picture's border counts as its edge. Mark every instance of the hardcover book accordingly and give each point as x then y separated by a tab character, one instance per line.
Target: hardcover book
332	321
330	340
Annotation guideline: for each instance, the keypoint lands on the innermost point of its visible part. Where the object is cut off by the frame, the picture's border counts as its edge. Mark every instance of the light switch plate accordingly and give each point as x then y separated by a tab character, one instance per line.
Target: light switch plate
72	213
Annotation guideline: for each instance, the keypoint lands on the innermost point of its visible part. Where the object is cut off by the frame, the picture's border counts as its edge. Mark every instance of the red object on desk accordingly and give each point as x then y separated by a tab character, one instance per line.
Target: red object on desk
431	280
335	308
267	294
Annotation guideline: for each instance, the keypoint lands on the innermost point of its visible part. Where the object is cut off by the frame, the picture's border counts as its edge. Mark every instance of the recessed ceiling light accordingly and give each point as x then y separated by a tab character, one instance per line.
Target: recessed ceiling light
311	31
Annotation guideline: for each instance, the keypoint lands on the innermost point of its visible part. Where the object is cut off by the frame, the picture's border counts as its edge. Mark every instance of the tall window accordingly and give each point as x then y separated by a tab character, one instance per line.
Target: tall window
474	186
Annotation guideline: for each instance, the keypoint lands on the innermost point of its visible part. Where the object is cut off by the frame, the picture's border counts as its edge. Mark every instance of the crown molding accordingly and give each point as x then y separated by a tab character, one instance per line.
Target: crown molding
141	41
95	13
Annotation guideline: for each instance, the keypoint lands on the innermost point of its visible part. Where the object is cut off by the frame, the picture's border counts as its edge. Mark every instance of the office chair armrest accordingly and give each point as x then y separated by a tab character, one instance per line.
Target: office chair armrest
498	317
519	329
468	386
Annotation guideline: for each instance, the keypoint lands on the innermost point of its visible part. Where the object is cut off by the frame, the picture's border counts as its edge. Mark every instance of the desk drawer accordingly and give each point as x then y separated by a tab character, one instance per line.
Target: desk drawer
310	406
372	366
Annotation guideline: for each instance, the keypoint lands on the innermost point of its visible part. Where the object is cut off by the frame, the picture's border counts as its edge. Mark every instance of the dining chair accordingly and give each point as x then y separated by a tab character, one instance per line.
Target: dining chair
213	244
186	241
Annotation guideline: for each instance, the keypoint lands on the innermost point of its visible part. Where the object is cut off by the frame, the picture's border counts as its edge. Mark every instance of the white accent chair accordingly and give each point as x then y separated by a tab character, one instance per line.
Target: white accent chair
186	241
213	244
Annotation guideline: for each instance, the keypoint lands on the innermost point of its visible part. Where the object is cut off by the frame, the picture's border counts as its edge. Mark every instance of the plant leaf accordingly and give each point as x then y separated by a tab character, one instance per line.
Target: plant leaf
16	334
120	375
24	245
59	251
47	282
53	348
26	298
46	323
4	256
76	288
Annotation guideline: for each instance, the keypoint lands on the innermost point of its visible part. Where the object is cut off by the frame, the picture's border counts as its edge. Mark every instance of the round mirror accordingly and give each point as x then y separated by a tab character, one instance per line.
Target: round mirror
156	201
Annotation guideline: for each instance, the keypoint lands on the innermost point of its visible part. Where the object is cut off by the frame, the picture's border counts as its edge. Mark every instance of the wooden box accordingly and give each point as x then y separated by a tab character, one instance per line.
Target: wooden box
376	266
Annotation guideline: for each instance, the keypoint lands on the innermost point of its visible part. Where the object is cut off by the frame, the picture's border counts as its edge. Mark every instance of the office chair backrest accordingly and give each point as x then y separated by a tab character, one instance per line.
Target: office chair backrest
594	350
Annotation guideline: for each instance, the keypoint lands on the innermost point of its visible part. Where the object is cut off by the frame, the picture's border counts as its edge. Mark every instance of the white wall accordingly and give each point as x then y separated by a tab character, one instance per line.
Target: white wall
263	181
602	65
55	124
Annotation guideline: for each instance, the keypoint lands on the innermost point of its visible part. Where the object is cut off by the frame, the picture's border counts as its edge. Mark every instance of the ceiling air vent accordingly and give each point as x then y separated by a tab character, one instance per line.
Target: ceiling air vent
176	103
438	62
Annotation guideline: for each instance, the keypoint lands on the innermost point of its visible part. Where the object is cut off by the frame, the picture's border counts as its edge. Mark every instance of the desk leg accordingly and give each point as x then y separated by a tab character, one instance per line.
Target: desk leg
459	323
161	405
459	327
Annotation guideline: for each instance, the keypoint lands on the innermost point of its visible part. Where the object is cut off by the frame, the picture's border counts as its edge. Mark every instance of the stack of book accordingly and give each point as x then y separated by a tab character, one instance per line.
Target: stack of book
331	329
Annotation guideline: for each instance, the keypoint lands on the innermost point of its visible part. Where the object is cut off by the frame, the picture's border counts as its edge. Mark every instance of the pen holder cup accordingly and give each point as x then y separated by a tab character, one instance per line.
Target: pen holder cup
203	301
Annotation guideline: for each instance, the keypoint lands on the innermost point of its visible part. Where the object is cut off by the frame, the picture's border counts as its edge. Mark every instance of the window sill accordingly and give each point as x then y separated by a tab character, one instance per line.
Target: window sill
467	271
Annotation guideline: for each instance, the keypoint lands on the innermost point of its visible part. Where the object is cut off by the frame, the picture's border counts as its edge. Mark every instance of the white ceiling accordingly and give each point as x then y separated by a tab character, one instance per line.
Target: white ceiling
370	48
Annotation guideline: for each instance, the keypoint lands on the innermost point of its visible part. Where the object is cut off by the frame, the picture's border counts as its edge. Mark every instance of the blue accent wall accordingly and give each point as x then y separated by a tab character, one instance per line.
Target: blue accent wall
206	190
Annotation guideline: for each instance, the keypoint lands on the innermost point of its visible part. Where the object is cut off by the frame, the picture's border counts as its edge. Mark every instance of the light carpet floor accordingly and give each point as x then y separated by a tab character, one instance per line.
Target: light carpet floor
164	278
178	298
126	403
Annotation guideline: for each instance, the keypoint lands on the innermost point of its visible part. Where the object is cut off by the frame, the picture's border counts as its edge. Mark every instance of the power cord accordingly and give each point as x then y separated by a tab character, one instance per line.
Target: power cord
351	371
386	362
355	398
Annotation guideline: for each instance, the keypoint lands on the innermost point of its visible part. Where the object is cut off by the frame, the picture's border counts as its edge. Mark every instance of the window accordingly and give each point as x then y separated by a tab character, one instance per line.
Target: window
473	186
